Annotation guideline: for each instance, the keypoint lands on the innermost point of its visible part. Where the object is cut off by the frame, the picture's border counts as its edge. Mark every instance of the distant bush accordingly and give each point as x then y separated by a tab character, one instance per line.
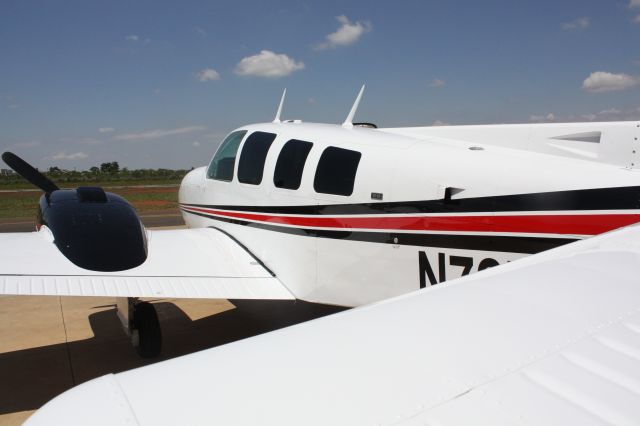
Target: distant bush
106	173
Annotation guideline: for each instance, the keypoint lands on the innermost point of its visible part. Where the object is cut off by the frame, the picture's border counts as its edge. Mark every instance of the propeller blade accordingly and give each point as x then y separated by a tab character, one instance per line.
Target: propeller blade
28	172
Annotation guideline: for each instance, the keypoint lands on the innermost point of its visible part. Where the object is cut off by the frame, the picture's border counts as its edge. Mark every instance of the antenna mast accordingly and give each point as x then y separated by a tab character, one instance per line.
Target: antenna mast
277	119
348	123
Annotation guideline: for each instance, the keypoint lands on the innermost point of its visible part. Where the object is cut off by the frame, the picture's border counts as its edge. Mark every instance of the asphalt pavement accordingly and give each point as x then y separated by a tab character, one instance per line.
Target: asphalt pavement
151	220
49	344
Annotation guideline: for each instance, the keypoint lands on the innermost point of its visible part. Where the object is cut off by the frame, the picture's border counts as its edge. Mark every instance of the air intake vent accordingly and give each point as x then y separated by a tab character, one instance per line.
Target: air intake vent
91	194
591	137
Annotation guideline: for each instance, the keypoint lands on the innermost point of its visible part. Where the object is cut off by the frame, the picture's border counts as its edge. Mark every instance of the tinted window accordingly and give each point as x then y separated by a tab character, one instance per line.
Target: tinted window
336	171
221	167
290	164
254	154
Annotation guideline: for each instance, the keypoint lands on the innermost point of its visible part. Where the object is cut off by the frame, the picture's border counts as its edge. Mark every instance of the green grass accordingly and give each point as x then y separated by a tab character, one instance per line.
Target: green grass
104	184
19	205
23	205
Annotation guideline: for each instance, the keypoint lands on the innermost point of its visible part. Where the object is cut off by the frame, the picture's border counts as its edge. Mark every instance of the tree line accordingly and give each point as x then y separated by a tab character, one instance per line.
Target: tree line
106	172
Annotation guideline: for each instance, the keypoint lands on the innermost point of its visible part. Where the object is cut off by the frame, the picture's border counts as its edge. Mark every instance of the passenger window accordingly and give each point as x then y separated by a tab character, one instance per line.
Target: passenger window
336	172
254	154
223	163
290	164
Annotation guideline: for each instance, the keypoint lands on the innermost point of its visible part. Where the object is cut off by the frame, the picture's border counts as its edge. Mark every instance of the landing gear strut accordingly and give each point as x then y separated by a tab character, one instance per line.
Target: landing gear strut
140	322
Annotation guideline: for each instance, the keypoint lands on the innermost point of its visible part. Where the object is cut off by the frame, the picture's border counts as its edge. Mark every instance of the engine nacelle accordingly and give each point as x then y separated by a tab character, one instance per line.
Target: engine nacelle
94	229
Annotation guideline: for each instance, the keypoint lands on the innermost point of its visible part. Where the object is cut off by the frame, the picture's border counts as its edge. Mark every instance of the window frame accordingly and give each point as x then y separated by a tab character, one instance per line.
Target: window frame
227	141
299	172
248	143
321	168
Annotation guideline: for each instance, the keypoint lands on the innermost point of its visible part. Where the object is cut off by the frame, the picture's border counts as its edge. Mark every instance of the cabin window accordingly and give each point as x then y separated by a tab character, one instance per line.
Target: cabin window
336	172
223	163
254	154
290	164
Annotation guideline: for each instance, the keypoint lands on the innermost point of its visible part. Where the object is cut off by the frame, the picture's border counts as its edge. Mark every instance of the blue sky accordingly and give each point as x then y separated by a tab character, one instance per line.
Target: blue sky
159	84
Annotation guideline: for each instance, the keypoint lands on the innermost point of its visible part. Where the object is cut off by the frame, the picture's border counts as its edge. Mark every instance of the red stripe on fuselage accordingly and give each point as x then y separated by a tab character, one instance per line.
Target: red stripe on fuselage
591	224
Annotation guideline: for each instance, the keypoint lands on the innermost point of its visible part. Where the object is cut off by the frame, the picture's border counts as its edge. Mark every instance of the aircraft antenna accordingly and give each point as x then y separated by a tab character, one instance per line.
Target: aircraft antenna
277	119
348	123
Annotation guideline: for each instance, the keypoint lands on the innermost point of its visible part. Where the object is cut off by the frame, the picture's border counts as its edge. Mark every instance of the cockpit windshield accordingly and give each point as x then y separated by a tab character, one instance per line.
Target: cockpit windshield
223	163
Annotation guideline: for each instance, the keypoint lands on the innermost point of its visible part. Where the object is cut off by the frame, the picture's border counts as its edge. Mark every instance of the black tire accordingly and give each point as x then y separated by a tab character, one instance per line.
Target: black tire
148	326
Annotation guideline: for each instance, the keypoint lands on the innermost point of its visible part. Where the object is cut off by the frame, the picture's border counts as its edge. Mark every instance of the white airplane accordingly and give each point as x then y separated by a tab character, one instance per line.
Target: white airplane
338	214
551	339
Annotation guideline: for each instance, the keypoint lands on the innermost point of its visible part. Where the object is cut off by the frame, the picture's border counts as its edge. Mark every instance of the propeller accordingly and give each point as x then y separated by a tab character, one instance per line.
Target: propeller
94	229
28	172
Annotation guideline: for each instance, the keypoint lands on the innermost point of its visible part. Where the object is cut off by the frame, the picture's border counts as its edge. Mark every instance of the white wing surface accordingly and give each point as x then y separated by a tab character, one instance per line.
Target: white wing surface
603	142
550	339
190	263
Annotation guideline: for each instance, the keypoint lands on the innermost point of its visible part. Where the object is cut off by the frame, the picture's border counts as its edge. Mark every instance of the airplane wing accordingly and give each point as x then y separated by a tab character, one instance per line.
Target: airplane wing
549	339
604	142
193	263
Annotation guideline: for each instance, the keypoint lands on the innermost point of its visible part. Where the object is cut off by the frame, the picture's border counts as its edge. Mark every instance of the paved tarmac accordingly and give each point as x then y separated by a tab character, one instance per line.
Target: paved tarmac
49	344
150	220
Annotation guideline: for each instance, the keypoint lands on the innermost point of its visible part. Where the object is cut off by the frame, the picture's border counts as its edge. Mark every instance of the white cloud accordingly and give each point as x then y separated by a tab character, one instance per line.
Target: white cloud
88	141
75	156
577	24
268	64
311	100
215	136
614	114
634	3
11	101
548	117
437	82
439	123
106	129
601	81
27	144
196	144
200	31
134	38
636	20
82	141
207	74
157	133
347	34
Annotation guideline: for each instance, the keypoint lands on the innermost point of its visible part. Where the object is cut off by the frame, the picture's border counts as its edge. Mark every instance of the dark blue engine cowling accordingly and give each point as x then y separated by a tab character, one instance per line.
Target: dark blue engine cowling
95	230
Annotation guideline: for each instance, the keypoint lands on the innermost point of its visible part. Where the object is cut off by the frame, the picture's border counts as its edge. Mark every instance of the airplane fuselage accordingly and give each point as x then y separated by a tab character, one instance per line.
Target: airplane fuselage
349	216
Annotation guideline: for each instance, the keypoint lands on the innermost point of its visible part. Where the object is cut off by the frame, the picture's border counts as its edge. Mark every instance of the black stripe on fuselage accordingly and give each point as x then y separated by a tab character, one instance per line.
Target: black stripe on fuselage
510	244
619	198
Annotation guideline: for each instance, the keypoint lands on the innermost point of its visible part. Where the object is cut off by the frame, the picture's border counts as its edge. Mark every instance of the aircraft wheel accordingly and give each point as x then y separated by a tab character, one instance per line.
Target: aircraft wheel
148	328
